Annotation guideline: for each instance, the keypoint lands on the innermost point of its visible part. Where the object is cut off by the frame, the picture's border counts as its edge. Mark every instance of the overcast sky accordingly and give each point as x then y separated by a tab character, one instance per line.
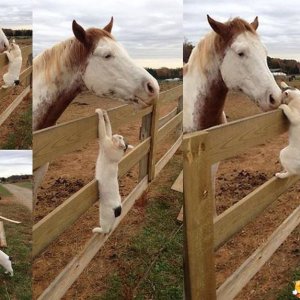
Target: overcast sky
16	14
150	30
279	21
15	162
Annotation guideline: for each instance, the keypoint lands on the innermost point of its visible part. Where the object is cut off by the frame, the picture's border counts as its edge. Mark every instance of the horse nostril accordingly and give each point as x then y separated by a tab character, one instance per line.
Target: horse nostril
272	100
149	88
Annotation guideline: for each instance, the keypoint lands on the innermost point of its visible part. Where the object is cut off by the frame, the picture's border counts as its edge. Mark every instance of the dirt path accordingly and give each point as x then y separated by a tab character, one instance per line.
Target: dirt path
22	195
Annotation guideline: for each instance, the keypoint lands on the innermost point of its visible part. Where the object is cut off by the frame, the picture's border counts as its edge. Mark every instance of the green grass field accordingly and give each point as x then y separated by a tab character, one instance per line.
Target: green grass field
4	192
25	184
19	247
152	266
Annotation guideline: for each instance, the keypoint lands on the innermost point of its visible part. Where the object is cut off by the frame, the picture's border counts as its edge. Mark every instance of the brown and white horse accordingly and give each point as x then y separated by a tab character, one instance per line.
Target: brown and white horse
92	59
230	57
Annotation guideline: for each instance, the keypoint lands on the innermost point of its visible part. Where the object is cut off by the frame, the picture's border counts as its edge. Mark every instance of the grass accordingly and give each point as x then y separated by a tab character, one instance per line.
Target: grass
21	136
19	247
286	293
25	184
4	192
152	265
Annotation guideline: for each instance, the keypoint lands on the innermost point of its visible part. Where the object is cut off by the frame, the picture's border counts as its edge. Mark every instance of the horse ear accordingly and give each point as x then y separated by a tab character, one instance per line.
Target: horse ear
255	23
79	32
109	26
218	27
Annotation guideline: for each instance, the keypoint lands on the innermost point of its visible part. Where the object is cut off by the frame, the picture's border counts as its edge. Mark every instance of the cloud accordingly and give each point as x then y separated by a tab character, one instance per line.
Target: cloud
279	21
148	29
16	14
15	162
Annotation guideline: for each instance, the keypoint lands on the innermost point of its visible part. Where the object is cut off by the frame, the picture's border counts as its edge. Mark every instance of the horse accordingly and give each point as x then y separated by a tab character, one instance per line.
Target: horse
92	59
4	44
230	57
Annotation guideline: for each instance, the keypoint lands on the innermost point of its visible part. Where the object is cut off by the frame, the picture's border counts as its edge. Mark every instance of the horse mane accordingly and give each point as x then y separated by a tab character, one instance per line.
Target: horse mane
68	54
213	44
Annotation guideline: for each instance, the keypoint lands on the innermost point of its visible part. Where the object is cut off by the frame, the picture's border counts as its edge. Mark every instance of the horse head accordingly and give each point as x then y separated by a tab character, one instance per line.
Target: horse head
109	71
244	62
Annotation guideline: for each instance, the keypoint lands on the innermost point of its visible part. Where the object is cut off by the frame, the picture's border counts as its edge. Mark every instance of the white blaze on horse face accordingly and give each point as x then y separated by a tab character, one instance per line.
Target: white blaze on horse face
111	72
245	68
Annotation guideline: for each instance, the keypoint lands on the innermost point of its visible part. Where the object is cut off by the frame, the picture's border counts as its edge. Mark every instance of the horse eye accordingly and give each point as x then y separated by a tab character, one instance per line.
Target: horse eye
241	54
108	56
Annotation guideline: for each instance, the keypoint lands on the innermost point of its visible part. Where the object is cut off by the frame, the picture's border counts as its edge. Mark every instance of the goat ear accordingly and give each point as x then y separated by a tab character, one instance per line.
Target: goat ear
255	23
79	33
130	147
109	26
218	27
283	84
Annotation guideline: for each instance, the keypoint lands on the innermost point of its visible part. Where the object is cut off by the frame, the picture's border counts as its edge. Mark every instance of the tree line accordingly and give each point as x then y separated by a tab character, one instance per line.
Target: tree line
288	66
17	32
165	73
16	178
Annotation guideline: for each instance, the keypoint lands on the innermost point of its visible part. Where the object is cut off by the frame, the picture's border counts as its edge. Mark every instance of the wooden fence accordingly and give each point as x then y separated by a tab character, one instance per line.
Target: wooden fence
203	233
25	81
51	143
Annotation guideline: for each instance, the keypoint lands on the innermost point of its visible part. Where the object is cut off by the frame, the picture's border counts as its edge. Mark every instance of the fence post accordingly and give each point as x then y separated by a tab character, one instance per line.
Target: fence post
145	132
154	131
149	128
200	280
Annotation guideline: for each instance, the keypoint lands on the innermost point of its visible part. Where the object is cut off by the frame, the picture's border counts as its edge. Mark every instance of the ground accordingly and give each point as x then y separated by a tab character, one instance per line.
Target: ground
19	248
16	130
144	252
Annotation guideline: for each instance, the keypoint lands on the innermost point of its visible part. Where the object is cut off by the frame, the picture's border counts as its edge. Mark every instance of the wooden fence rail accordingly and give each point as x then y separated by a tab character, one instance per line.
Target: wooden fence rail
203	233
49	144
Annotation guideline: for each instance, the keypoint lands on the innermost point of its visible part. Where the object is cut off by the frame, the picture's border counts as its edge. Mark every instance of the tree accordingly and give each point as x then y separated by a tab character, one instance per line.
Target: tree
187	49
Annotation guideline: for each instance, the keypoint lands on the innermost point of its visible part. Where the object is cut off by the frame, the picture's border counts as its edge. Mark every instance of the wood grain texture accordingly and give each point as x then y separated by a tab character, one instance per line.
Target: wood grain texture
239	215
234	284
154	141
63	216
145	132
200	280
178	183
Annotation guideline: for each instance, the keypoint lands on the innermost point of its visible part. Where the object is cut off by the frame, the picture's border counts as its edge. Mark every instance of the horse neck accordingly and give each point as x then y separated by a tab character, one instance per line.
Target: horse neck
206	93
53	95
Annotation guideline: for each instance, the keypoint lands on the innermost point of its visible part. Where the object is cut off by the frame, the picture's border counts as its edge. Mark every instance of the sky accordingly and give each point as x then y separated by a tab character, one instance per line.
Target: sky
15	162
16	14
279	21
150	30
